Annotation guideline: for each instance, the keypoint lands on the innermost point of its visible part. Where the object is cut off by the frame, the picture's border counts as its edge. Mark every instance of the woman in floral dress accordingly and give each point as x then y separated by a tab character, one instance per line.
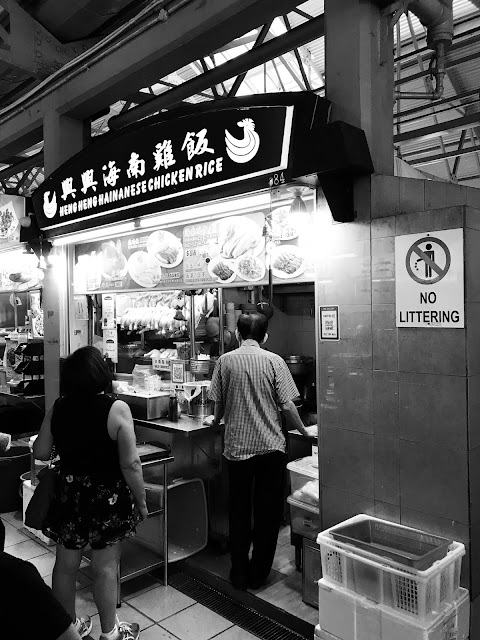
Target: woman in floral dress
100	494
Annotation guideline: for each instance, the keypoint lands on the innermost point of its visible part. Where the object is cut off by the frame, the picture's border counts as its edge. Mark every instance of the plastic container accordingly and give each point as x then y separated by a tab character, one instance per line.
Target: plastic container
304	518
13	463
350	617
415	593
411	547
304	480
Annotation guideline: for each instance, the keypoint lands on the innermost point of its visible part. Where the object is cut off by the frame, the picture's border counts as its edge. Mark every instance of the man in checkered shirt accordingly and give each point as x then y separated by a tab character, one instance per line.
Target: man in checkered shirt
251	387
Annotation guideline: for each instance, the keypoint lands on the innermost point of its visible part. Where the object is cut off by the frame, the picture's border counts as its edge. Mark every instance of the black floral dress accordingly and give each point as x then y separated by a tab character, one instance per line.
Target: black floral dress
93	505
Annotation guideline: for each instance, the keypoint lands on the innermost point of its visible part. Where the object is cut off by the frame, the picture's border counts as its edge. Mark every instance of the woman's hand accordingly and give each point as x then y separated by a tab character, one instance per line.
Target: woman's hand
142	511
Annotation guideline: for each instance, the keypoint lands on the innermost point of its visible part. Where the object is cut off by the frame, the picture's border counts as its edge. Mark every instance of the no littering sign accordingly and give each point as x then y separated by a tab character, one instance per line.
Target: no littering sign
429	280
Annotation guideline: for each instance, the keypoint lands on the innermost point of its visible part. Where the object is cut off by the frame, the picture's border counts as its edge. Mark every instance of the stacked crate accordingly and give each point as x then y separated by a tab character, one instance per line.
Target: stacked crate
373	589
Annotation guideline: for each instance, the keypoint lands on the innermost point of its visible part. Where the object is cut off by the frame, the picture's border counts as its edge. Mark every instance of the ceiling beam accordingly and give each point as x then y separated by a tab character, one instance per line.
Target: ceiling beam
191	33
253	58
458	124
26	163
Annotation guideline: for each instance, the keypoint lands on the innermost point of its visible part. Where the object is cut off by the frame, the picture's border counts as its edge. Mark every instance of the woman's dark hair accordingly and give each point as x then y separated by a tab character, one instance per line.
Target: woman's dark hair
84	372
252	325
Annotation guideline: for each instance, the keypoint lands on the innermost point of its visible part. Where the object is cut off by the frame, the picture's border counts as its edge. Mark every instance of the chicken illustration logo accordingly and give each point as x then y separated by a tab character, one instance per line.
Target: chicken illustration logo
49	205
241	151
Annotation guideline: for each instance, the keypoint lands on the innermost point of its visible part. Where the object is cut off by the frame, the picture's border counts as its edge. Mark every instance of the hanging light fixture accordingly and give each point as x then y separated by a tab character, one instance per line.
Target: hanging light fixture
42	263
298	205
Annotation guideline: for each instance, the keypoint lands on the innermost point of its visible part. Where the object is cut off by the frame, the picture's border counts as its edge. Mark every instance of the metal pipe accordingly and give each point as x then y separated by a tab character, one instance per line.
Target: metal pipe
265	52
221	337
192	324
437	17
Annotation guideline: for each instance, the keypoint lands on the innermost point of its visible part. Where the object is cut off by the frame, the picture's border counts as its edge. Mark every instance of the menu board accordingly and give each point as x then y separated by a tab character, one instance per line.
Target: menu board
12	208
228	250
18	271
231	251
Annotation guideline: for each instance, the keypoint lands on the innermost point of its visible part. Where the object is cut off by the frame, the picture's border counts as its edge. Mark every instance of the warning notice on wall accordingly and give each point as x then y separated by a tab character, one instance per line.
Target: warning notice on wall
429	279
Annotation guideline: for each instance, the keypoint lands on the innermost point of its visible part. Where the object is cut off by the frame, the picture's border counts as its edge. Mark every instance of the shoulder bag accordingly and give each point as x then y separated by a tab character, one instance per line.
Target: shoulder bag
39	505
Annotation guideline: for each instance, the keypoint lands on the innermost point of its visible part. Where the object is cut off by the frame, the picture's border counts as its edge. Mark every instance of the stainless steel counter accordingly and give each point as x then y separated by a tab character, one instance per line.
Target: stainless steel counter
197	452
185	426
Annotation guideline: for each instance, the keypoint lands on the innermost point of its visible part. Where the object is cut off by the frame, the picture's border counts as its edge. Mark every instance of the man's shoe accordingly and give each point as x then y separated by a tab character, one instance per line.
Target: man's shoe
238	581
255	583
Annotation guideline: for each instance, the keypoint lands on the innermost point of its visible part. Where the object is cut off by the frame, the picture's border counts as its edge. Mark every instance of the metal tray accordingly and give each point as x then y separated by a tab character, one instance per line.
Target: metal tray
411	547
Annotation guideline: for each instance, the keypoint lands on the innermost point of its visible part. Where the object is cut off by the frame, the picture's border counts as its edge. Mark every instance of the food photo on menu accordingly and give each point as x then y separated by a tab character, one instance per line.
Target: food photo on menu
128	263
8	221
238	250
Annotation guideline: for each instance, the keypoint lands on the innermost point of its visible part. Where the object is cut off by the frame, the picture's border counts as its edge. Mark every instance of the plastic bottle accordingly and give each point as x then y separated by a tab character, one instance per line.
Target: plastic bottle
173	407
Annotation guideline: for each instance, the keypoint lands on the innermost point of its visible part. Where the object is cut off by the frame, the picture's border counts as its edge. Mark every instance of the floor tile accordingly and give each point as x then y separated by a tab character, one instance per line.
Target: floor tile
137	586
284	561
161	602
196	623
129	614
14	518
26	550
44	563
13	535
287	595
234	633
157	633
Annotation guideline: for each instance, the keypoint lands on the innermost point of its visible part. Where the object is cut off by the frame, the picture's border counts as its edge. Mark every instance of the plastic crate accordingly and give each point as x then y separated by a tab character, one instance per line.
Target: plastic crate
347	616
304	480
304	518
415	593
407	546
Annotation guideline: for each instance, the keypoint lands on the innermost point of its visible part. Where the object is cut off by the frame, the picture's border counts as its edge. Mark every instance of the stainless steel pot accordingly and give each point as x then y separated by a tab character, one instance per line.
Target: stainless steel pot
296	365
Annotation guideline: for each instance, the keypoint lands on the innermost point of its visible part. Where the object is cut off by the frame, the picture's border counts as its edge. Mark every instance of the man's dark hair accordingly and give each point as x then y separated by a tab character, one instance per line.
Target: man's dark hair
84	372
253	326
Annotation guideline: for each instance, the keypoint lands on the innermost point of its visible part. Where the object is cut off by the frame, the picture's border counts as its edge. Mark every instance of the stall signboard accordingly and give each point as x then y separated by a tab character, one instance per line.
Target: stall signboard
231	251
162	161
12	209
429	280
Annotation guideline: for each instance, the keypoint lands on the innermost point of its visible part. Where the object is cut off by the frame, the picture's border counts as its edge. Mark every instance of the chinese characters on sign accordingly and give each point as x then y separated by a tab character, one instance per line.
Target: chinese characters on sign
164	160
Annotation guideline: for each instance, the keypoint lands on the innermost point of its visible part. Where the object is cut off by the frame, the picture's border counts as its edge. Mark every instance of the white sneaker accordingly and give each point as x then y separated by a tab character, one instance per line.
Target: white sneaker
83	626
126	631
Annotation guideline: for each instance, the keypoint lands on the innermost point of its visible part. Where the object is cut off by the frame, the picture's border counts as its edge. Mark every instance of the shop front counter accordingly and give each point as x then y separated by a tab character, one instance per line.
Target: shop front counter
197	452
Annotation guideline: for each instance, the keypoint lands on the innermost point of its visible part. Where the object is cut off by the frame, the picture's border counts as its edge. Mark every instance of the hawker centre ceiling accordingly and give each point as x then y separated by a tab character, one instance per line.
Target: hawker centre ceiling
106	57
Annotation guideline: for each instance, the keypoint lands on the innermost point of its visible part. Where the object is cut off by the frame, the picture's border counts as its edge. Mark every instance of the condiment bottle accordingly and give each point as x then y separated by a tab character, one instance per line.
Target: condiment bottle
173	407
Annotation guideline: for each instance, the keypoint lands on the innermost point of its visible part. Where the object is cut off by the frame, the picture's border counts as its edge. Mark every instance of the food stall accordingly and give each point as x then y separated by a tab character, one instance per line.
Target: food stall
172	228
21	324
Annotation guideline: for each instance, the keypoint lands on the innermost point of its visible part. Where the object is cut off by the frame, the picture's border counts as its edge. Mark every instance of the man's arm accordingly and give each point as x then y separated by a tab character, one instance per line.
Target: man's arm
218	413
292	417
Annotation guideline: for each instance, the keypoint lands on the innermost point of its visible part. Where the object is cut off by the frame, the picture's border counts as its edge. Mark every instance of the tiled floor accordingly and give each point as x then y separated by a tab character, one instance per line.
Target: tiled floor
164	613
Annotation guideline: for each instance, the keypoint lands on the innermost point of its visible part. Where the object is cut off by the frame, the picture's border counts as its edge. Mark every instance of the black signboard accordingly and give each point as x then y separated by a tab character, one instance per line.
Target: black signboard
162	161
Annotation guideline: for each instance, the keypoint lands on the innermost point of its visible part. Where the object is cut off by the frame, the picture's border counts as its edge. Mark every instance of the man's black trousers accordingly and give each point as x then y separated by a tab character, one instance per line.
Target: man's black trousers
258	480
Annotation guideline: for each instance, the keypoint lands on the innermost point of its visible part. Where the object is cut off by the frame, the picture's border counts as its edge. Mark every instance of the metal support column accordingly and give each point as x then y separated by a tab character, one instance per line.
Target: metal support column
63	138
359	73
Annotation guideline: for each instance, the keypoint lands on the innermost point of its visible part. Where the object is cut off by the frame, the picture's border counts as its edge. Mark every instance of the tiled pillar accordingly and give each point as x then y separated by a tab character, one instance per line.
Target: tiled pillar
400	408
63	138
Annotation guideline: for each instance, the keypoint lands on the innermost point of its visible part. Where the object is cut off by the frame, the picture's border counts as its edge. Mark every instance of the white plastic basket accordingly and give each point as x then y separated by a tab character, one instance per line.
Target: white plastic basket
415	593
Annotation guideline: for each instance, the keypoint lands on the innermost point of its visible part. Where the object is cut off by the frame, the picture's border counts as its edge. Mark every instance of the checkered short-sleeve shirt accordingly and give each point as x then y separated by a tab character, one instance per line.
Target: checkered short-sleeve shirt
250	383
